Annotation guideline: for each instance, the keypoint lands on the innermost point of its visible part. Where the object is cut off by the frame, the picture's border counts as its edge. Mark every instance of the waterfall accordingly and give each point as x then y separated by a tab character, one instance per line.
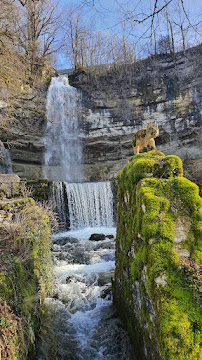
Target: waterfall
89	204
59	198
63	148
5	161
79	322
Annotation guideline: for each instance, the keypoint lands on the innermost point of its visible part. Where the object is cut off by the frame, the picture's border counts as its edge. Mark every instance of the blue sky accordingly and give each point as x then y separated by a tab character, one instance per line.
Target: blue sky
107	15
105	11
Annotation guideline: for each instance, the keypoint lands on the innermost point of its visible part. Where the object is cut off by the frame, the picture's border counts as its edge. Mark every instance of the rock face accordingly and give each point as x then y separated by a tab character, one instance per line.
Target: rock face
9	185
115	104
159	234
119	102
27	112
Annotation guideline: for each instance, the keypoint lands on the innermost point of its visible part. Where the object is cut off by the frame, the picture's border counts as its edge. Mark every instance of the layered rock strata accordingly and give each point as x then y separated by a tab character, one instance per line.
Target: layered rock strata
116	103
120	101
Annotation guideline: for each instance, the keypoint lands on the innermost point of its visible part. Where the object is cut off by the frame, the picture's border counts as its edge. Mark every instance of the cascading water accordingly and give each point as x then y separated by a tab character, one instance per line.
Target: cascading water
89	204
63	148
79	321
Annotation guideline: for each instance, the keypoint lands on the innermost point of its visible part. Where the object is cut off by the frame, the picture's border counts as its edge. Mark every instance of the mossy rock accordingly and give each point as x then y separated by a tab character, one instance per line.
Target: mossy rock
97	237
159	217
16	204
172	167
27	275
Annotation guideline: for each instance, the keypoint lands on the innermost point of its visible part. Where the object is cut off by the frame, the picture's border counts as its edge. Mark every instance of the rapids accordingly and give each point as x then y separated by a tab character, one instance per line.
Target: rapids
80	321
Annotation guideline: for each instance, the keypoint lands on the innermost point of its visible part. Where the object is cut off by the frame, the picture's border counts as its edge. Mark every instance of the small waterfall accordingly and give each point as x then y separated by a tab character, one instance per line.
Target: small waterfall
63	147
59	198
5	161
89	204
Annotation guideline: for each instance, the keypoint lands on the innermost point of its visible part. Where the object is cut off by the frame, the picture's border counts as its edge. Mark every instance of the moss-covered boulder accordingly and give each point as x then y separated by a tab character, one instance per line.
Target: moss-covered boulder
158	253
97	237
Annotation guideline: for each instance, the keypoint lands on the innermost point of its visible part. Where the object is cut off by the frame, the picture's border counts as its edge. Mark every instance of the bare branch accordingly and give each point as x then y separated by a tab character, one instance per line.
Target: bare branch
153	14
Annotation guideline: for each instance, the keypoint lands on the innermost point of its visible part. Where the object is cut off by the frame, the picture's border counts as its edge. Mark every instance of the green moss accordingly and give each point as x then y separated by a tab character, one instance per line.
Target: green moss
188	194
152	196
150	154
173	167
138	263
17	204
27	279
177	338
138	170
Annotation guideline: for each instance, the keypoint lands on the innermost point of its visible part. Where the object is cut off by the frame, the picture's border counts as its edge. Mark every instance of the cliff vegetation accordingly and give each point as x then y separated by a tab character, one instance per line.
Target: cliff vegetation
26	273
158	258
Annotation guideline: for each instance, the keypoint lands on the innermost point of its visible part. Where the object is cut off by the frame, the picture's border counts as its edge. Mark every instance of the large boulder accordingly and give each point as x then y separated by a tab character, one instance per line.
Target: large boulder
158	254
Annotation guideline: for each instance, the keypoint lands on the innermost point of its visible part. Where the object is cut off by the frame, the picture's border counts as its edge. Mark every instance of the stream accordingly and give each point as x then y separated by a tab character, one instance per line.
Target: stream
80	321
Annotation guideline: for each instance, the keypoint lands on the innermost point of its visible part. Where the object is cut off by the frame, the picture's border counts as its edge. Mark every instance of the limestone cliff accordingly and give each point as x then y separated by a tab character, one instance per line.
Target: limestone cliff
158	253
115	103
23	118
120	101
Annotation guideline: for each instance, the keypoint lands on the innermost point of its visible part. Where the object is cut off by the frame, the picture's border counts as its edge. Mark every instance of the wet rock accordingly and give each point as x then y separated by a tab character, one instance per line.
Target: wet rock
106	245
106	293
109	236
64	241
97	237
68	279
105	278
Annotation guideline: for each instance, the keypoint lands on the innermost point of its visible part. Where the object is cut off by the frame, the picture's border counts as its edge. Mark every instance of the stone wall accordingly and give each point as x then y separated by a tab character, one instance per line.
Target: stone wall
158	253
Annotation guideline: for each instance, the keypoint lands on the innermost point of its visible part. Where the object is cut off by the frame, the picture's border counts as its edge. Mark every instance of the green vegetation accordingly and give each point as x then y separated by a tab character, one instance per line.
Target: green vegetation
26	274
158	242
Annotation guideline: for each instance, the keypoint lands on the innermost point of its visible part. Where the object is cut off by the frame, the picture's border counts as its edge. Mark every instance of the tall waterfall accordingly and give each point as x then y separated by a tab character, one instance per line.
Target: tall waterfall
79	321
63	148
89	204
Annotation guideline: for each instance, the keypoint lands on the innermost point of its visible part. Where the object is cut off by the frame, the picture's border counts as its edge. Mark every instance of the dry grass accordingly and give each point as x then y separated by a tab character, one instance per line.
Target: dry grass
16	224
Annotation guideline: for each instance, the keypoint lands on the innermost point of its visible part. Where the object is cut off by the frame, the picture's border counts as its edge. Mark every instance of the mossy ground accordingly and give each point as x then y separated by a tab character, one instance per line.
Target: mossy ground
25	275
152	198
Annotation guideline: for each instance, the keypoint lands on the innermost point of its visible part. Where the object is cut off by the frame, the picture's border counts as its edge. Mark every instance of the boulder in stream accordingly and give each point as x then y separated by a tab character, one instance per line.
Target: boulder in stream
97	237
110	236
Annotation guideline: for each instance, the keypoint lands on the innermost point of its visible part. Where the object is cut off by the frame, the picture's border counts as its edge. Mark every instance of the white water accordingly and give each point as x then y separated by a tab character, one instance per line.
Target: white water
63	148
89	204
80	321
58	196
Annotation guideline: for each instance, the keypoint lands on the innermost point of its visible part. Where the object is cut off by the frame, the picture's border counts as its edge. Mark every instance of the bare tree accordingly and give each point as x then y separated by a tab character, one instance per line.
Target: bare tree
37	32
74	33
